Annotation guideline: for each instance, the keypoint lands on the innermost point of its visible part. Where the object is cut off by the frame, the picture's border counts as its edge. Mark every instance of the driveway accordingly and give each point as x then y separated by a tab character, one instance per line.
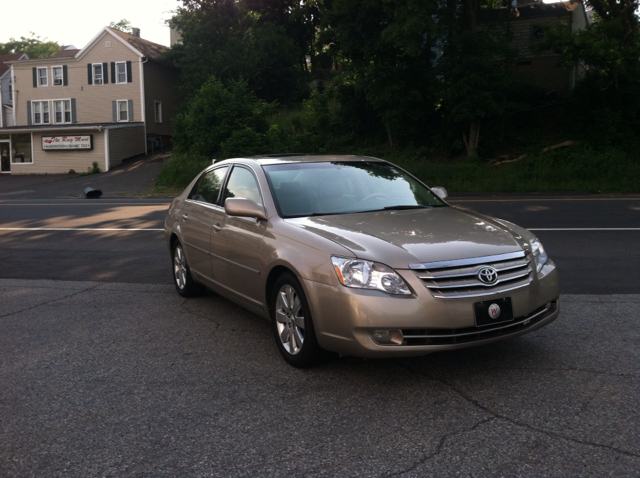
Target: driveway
132	178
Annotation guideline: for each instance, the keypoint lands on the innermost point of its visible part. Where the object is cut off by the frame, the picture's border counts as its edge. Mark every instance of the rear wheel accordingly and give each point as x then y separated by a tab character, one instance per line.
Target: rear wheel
182	279
293	325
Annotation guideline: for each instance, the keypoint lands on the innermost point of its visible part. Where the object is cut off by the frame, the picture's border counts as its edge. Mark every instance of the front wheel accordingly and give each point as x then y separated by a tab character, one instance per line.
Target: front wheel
292	324
182	279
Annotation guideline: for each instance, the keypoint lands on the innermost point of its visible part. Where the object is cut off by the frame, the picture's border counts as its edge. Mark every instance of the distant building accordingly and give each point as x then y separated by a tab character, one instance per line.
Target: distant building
109	101
541	69
6	88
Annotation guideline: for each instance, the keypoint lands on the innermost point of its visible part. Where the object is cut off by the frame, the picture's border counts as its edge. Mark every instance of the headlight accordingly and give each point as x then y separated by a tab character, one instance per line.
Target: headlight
369	275
539	255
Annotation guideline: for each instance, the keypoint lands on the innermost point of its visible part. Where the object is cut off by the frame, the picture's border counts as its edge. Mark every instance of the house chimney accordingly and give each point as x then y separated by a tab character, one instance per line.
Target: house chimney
135	32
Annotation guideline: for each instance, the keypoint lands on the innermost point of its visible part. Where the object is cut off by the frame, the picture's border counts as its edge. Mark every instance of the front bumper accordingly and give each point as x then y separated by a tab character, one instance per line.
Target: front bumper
344	317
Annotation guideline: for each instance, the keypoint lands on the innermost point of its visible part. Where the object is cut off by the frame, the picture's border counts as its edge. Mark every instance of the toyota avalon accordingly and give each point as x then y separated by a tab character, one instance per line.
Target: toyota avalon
352	255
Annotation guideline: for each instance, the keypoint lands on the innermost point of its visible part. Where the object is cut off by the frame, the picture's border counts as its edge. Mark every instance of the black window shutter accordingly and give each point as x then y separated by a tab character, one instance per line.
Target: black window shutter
29	113
114	107
129	78
74	118
65	76
35	77
105	72
113	72
130	108
90	73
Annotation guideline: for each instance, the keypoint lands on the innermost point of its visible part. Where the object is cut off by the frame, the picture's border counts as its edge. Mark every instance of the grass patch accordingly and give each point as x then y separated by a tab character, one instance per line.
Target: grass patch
180	169
580	169
574	169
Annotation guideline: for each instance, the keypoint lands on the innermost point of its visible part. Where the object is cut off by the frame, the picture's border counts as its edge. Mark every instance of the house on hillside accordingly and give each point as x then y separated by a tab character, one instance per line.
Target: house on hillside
109	101
541	69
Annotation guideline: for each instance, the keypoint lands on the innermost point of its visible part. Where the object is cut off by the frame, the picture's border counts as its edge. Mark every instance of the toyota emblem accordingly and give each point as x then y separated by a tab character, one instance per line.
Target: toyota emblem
494	311
488	275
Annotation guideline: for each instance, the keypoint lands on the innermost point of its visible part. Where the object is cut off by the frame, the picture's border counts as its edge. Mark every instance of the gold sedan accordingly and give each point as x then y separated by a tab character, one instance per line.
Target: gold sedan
352	255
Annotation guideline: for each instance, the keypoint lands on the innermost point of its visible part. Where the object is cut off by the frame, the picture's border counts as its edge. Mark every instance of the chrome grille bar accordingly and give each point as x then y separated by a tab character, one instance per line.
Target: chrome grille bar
460	278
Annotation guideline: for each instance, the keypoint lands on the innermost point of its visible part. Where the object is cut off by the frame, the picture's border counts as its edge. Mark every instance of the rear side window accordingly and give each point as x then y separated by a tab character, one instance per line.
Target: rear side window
208	188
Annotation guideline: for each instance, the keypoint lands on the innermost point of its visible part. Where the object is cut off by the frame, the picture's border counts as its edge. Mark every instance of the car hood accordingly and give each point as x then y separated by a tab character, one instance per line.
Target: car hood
400	238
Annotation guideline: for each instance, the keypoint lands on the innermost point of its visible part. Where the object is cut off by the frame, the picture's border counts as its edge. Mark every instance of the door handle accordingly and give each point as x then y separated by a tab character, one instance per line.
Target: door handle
217	227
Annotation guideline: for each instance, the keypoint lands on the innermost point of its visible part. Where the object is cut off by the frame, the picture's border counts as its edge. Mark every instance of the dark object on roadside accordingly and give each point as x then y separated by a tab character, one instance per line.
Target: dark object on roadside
92	193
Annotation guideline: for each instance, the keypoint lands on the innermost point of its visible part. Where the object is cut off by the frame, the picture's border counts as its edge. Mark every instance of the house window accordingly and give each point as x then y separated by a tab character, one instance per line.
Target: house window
62	111
537	32
121	72
123	110
10	91
98	74
56	73
158	111
40	112
43	78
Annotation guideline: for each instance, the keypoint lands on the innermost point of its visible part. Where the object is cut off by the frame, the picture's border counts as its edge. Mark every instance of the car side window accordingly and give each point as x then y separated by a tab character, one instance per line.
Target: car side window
208	188
242	184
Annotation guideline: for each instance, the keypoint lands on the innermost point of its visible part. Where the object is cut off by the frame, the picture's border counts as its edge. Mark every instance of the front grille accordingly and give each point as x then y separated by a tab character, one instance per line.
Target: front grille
474	334
459	278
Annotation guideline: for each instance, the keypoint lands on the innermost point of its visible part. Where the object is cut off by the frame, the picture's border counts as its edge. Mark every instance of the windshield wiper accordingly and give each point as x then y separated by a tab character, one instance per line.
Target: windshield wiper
400	207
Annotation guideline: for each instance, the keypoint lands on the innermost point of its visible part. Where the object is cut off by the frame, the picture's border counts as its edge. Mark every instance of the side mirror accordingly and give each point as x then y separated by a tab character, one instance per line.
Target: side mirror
440	192
243	208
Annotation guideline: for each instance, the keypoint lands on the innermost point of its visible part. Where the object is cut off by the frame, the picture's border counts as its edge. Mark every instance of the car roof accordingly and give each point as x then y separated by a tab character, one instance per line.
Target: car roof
308	158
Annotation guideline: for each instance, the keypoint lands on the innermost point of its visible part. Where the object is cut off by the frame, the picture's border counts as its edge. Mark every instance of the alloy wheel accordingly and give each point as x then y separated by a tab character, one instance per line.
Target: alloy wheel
290	319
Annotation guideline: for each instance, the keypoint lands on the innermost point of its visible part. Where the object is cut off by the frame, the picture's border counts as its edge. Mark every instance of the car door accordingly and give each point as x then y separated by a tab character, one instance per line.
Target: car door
197	219
236	242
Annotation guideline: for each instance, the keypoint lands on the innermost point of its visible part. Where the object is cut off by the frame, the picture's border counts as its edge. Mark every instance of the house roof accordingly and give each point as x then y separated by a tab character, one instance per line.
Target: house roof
65	53
146	47
10	57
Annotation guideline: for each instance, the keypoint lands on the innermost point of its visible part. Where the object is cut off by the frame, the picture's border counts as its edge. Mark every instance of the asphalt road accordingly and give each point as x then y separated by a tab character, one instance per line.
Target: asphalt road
593	240
106	371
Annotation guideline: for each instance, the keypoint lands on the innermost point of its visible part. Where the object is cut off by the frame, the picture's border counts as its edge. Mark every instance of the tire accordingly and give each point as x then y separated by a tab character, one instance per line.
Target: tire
182	279
292	324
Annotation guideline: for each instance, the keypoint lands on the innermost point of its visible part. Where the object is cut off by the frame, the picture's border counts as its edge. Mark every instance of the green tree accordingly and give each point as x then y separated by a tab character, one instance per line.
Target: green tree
123	25
215	114
387	48
34	46
477	81
222	38
610	50
299	19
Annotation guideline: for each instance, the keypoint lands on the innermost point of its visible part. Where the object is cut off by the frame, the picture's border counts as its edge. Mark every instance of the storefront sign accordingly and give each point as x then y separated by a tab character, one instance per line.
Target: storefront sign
84	141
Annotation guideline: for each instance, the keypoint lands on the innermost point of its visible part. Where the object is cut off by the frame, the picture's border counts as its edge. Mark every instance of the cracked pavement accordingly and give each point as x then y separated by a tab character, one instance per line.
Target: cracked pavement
112	379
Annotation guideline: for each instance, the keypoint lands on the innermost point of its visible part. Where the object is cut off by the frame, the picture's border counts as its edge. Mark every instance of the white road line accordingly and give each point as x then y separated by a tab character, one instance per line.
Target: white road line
74	229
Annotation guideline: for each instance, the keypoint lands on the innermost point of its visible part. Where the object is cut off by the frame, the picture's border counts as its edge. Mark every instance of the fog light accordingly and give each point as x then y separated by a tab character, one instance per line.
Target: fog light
387	337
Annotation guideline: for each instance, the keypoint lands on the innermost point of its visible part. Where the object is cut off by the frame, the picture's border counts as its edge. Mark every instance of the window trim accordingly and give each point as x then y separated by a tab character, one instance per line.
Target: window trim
93	74
155	111
64	111
126	109
126	76
46	76
53	76
41	112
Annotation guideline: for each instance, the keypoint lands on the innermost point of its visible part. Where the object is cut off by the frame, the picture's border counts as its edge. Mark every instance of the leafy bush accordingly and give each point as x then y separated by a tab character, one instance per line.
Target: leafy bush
180	169
214	114
244	142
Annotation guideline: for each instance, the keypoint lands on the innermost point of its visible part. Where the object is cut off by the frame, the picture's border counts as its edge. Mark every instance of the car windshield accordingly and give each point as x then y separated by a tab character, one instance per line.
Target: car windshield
308	189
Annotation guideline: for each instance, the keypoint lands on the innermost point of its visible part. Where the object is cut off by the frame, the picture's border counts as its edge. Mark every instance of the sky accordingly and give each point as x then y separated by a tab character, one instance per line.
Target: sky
76	22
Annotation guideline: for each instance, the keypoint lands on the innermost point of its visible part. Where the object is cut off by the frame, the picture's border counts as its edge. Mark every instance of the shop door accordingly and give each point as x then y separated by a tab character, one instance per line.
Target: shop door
5	157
